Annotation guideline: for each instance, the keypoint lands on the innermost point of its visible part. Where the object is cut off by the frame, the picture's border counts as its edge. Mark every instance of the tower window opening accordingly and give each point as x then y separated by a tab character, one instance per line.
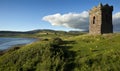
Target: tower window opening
94	20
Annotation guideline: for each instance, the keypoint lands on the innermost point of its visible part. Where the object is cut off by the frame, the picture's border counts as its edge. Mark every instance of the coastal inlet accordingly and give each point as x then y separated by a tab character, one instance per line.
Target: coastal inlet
7	42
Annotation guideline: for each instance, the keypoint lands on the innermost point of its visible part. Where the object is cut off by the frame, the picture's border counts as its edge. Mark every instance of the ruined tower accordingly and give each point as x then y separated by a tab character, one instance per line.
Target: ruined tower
100	19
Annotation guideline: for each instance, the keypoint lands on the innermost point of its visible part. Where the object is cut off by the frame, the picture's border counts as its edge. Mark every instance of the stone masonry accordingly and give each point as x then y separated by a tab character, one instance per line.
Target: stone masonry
100	19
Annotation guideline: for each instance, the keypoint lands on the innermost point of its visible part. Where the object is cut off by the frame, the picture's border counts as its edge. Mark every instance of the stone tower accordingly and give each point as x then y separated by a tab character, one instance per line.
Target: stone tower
100	19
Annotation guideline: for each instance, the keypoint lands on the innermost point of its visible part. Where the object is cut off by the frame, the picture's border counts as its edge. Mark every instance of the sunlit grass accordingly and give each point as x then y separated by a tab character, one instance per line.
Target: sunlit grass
72	53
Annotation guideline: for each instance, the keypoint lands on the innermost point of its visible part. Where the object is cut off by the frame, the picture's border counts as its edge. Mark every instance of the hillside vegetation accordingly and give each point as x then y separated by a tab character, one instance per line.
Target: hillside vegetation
38	33
65	53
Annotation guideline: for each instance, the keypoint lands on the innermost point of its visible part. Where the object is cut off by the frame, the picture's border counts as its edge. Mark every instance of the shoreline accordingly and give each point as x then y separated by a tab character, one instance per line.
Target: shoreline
13	48
17	46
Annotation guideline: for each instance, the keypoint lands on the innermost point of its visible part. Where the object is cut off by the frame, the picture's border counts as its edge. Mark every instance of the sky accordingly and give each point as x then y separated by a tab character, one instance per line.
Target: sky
25	15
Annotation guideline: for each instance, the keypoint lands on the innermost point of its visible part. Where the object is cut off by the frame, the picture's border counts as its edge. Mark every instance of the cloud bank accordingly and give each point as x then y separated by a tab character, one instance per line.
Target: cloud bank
116	18
77	20
116	22
70	20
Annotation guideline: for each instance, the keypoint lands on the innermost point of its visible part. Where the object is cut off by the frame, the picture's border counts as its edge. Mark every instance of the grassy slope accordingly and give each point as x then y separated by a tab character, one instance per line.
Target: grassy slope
75	53
100	53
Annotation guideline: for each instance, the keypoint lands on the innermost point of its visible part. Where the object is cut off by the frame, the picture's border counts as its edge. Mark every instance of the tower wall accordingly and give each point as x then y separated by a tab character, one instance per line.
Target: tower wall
100	19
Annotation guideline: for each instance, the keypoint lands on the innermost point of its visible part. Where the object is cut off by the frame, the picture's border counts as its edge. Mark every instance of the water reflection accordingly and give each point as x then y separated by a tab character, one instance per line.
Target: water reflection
9	42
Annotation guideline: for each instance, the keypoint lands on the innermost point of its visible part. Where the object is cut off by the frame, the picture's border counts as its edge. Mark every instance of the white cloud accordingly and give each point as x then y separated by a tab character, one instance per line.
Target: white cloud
116	18
71	20
77	20
116	22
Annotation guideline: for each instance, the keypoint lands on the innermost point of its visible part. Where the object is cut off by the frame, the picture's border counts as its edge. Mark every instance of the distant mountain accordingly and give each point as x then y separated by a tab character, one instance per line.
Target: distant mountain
39	31
26	32
9	32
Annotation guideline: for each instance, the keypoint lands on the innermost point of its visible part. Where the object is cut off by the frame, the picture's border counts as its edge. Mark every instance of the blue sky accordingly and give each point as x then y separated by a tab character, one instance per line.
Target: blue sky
24	15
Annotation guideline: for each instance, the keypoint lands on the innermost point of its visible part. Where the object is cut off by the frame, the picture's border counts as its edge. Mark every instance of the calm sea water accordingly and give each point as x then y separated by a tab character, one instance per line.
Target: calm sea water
6	43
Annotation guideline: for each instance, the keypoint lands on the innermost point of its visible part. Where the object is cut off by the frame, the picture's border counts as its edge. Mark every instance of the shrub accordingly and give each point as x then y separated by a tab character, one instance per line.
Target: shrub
56	42
46	39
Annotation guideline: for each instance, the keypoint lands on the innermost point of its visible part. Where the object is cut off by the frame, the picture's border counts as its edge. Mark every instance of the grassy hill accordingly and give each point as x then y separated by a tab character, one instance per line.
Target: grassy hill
38	33
66	53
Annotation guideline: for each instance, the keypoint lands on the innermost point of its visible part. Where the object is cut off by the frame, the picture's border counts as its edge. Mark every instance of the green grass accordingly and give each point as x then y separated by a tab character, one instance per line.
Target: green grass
72	53
97	53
